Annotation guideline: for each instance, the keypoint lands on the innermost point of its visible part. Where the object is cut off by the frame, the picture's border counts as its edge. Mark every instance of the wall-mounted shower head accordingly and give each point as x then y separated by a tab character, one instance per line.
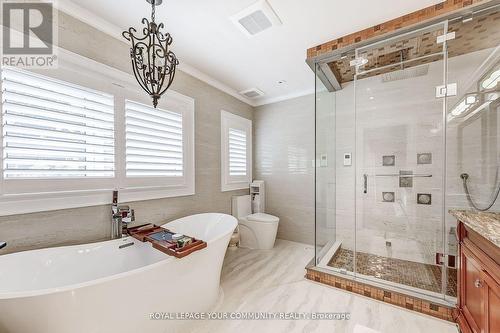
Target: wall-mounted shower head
464	176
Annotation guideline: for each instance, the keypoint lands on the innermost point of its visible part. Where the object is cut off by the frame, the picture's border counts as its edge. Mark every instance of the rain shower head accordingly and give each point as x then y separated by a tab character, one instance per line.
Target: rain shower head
406	73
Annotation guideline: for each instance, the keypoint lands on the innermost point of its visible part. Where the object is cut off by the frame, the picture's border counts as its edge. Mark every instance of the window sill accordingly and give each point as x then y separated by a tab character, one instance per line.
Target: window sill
235	186
42	202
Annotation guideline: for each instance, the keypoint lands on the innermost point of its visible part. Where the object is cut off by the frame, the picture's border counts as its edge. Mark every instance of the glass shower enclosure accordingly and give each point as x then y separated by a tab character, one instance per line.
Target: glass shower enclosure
410	113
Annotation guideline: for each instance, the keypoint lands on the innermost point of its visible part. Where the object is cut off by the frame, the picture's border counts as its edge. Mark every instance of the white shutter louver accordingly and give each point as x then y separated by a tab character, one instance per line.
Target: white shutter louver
53	129
237	152
154	141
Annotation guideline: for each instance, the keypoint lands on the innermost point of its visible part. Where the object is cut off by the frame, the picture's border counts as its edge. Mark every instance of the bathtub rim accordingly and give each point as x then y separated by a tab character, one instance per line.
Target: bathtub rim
167	259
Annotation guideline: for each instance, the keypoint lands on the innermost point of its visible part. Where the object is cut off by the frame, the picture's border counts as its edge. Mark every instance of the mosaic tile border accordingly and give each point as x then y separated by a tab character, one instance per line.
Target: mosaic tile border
394	298
416	17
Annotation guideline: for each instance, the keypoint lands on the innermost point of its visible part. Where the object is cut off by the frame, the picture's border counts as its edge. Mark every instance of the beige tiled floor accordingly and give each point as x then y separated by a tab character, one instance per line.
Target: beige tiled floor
273	281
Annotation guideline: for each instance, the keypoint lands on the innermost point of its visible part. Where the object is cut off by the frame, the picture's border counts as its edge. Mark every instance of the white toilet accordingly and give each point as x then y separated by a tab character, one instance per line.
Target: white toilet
258	230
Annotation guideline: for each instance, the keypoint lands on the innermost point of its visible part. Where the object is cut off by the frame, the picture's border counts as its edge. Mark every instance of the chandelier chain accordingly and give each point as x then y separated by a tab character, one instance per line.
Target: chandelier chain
153	11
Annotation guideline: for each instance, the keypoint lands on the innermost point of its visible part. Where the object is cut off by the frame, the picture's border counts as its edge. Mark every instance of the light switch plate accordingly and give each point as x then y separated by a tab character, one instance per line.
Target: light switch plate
323	160
347	159
446	90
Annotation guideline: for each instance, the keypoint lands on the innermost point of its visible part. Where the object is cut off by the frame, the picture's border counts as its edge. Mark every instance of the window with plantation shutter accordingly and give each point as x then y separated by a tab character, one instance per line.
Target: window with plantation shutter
236	157
72	136
53	129
237	152
154	141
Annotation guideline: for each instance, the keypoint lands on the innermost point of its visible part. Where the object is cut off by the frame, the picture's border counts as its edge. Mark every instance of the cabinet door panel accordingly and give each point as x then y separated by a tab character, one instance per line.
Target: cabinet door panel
492	304
473	299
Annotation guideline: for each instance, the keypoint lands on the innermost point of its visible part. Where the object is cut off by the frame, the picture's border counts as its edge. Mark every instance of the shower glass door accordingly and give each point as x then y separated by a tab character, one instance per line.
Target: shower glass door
400	162
410	115
326	224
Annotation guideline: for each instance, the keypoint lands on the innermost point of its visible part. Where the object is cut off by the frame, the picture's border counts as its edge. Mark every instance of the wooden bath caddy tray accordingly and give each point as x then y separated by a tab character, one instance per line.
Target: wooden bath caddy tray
161	239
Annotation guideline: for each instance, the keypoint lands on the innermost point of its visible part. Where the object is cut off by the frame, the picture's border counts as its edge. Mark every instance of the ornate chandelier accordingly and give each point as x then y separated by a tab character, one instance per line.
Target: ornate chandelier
153	63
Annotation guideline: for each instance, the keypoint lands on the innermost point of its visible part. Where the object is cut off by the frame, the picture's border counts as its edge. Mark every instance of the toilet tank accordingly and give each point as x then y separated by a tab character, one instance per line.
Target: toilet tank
241	206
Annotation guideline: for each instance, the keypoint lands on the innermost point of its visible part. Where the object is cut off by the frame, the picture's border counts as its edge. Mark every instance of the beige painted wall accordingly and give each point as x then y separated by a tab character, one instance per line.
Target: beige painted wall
83	225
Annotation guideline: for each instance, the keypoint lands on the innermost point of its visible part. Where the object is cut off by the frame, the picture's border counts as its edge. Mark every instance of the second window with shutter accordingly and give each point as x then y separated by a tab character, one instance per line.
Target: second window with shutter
236	152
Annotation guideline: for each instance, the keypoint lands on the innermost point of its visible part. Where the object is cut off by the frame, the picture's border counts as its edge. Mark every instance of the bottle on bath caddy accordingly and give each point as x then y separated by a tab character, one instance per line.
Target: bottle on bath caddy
181	240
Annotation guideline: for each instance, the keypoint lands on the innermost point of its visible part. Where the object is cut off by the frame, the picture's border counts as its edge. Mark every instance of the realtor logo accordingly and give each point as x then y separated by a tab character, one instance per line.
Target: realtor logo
29	31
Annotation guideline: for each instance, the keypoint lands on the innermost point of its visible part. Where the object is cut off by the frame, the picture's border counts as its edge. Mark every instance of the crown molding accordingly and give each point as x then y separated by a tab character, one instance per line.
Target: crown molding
88	17
92	19
188	69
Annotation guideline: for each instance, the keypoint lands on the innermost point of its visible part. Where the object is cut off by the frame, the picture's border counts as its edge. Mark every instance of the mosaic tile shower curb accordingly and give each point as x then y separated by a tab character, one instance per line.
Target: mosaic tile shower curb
394	298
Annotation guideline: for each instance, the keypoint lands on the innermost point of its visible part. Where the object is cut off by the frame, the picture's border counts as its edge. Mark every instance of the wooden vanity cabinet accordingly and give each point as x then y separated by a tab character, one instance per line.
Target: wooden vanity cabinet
479	283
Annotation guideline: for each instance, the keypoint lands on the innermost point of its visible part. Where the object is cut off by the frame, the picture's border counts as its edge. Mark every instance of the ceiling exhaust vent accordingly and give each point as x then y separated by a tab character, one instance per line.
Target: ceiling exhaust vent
254	19
252	93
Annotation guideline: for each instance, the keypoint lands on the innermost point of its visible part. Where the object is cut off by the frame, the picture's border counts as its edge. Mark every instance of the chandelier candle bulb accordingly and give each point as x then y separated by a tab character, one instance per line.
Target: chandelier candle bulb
153	63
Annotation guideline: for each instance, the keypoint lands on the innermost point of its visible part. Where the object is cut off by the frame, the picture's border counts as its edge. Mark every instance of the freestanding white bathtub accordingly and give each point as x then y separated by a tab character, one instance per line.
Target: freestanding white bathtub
100	288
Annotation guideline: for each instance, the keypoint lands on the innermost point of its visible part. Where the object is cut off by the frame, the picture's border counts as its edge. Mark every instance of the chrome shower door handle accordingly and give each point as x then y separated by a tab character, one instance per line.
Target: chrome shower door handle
365	183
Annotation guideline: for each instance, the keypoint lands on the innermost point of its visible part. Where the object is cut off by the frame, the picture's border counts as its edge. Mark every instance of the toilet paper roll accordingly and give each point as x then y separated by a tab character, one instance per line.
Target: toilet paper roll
256	204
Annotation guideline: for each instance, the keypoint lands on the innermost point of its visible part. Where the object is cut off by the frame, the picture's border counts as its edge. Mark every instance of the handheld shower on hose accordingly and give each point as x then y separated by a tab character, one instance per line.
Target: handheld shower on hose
465	178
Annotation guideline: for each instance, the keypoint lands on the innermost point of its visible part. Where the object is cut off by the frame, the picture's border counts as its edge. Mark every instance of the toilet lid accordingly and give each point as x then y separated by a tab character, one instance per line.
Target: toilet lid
261	217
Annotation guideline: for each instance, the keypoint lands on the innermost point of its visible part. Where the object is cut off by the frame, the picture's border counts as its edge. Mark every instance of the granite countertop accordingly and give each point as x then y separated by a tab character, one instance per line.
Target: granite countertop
486	224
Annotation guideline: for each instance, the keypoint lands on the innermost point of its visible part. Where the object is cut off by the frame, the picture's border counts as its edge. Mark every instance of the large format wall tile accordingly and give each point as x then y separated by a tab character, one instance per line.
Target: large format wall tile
283	156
